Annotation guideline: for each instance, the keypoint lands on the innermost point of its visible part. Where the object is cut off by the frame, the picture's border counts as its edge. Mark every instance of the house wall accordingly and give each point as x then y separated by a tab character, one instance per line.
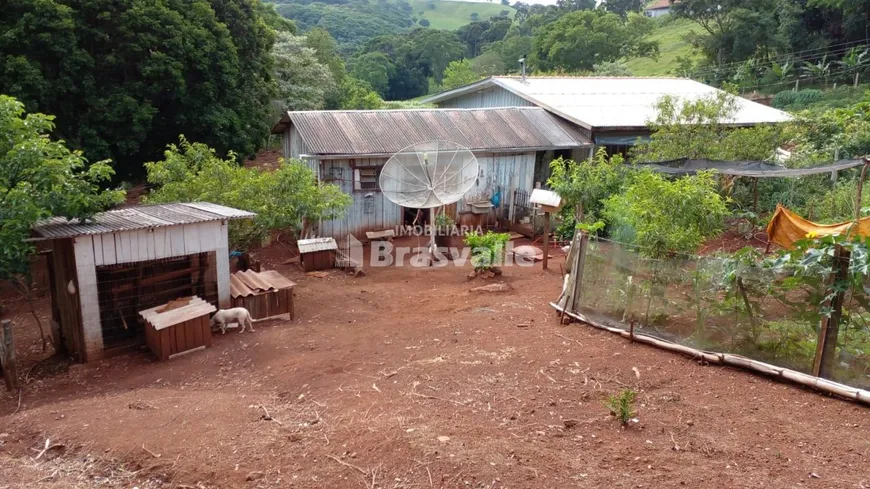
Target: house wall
654	13
136	246
294	146
489	97
65	305
497	172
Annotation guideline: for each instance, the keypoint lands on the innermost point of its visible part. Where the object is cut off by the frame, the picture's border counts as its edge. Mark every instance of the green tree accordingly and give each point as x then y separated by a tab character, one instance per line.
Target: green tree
585	185
374	68
623	7
326	51
664	216
579	40
123	78
424	22
701	128
611	68
303	82
41	178
286	199
458	73
358	95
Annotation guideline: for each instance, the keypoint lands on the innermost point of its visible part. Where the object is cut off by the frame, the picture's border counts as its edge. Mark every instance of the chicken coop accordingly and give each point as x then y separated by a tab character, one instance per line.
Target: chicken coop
104	271
264	294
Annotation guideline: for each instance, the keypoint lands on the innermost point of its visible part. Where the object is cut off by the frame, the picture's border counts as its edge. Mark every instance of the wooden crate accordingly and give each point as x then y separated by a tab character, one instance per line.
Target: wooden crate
178	327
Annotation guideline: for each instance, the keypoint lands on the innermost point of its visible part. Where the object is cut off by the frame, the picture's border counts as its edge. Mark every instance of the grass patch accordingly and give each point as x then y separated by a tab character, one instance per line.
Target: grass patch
670	35
452	15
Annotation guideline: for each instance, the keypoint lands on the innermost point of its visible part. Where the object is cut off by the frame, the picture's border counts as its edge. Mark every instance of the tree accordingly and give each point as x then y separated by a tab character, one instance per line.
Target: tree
584	185
424	22
700	129
358	95
326	52
475	16
286	199
623	7
41	178
506	3
458	73
579	40
611	68
122	78
575	5
854	62
303	82
664	216
374	68
488	64
818	69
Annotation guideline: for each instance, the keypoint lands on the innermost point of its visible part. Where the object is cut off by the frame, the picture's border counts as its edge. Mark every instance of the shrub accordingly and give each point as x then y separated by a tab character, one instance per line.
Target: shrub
807	96
785	98
622	405
663	216
487	250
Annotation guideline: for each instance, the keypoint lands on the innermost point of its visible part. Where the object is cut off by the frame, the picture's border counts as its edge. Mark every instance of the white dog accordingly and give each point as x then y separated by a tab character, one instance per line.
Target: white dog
238	315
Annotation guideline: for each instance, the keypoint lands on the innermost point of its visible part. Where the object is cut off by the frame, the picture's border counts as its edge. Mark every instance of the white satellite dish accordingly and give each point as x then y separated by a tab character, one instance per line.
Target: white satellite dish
428	175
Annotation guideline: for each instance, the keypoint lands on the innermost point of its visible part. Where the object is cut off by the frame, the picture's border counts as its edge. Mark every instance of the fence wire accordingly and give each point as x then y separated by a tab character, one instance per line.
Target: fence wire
710	304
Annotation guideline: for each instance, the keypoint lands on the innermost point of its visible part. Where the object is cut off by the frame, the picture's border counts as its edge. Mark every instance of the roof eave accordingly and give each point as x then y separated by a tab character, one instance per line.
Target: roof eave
473	150
449	94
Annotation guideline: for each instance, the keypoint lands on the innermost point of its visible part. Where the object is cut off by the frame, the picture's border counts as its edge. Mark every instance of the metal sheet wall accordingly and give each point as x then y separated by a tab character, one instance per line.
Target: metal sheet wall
359	218
500	172
489	97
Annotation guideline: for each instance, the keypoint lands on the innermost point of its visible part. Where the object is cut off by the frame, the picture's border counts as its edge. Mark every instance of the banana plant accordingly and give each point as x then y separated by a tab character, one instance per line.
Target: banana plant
854	61
782	71
819	69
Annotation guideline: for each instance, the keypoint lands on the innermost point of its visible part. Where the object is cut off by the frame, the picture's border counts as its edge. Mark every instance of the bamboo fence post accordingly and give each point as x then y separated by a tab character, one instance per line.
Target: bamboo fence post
7	356
826	347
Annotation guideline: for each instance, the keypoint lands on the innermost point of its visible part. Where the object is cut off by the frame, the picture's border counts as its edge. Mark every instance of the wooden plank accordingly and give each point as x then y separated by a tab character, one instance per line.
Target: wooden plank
141	237
150	251
165	343
191	239
133	236
176	240
122	247
97	241
83	248
185	352
110	257
205	324
161	250
195	326
8	362
189	337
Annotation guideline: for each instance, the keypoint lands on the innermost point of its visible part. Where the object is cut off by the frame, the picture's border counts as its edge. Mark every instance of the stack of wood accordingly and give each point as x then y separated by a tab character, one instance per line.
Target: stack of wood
178	327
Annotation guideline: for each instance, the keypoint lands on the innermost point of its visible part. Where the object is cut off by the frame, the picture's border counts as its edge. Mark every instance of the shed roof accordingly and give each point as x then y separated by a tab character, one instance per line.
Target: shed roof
384	132
137	217
612	102
316	244
249	282
196	307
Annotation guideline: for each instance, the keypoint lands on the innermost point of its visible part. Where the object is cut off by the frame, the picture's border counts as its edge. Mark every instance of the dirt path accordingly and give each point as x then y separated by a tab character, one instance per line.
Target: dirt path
405	379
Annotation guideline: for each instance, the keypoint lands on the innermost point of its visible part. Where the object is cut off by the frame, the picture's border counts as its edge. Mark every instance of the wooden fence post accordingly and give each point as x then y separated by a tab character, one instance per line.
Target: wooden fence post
826	347
546	239
7	356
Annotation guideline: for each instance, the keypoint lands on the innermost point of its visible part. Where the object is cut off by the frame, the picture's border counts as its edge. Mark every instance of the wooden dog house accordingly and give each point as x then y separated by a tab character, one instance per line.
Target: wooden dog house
317	253
264	294
177	327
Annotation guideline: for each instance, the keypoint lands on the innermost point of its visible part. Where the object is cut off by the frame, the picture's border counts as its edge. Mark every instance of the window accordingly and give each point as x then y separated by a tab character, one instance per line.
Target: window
366	178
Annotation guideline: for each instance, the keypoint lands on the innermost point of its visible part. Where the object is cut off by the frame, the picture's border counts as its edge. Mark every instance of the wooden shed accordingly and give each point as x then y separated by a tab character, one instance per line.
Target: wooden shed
264	294
104	271
317	253
177	327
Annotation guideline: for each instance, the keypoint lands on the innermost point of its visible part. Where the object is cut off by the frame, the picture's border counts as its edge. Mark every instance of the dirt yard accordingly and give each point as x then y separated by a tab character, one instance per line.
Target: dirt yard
405	378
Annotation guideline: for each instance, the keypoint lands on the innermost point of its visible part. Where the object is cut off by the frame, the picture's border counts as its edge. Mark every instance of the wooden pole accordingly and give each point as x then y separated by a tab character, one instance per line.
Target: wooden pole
546	238
829	330
7	356
755	195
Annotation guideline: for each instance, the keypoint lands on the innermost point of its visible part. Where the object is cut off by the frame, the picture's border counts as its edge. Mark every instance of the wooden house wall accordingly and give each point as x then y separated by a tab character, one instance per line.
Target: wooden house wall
68	313
357	219
485	98
294	147
500	172
137	246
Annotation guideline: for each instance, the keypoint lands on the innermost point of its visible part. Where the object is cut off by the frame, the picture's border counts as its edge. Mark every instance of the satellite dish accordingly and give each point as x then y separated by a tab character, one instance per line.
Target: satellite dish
428	175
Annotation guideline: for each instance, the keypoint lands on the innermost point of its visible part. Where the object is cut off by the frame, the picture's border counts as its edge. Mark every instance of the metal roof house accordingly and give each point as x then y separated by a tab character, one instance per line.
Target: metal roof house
658	8
104	271
615	110
513	145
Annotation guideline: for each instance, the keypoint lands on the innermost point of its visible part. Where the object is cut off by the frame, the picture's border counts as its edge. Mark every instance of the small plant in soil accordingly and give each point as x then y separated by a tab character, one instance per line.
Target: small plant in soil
622	405
487	250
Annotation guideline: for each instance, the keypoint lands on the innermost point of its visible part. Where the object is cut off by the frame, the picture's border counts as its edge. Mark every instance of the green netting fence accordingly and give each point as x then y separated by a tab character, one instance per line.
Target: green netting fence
713	304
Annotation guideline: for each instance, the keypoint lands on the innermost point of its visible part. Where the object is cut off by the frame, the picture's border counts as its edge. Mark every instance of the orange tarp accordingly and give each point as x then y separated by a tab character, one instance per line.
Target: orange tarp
786	227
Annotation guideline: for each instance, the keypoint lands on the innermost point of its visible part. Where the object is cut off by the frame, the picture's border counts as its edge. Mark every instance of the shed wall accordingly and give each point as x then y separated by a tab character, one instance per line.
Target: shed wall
488	97
294	146
358	218
137	246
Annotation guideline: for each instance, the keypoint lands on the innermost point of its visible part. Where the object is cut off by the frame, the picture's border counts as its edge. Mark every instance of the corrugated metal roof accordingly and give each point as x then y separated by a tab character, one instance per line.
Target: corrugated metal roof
243	284
660	4
384	132
608	102
316	244
545	197
138	217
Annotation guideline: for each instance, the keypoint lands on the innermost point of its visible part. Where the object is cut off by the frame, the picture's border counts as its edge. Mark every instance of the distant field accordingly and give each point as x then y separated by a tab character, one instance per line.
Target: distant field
452	15
671	45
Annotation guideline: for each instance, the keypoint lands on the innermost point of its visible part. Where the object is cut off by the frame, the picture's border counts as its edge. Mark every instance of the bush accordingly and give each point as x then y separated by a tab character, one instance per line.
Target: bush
622	406
663	216
487	250
807	96
785	98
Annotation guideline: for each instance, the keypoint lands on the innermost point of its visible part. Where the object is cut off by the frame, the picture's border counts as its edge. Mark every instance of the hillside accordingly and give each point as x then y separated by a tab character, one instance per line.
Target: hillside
451	15
672	44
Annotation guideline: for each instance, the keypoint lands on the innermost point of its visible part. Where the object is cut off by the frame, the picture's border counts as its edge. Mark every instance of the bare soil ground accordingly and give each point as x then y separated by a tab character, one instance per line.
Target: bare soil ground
405	378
